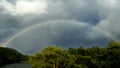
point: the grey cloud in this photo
(8, 26)
(60, 33)
(79, 10)
(11, 1)
(103, 14)
(91, 12)
(112, 22)
(84, 10)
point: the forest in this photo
(56, 57)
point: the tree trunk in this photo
(55, 64)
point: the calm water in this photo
(20, 65)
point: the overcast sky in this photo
(16, 15)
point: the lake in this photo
(19, 65)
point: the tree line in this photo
(55, 57)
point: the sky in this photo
(98, 21)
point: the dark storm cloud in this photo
(64, 34)
(18, 14)
(79, 10)
(8, 25)
(84, 10)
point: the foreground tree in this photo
(52, 57)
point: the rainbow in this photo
(31, 27)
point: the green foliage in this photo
(50, 56)
(9, 55)
(94, 57)
(71, 65)
(113, 44)
(46, 66)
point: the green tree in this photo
(72, 51)
(52, 57)
(52, 54)
(9, 55)
(113, 44)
